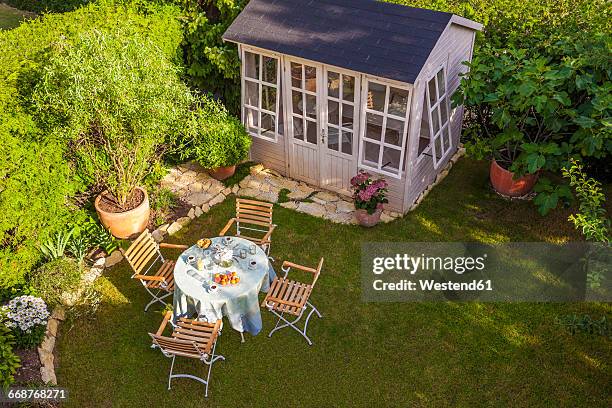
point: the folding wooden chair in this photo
(291, 297)
(192, 339)
(144, 253)
(254, 214)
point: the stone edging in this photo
(45, 350)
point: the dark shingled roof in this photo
(382, 39)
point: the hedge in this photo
(36, 180)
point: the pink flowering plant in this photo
(26, 316)
(369, 194)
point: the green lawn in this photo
(399, 354)
(11, 17)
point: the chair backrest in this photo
(317, 273)
(255, 213)
(143, 253)
(171, 346)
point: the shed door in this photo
(340, 121)
(303, 106)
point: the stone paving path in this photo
(192, 183)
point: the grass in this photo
(364, 354)
(11, 17)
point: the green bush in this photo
(212, 65)
(56, 277)
(53, 6)
(213, 137)
(9, 362)
(36, 179)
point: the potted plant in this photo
(116, 97)
(369, 196)
(519, 116)
(214, 138)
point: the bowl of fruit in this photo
(228, 278)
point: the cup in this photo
(252, 249)
(191, 259)
(252, 264)
(243, 253)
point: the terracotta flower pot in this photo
(128, 223)
(368, 220)
(221, 173)
(504, 183)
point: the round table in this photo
(239, 303)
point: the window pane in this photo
(376, 96)
(371, 151)
(347, 142)
(443, 112)
(441, 82)
(310, 75)
(268, 96)
(424, 129)
(252, 120)
(311, 132)
(298, 128)
(311, 106)
(333, 84)
(398, 102)
(373, 126)
(432, 92)
(296, 75)
(296, 98)
(447, 139)
(347, 115)
(333, 138)
(268, 125)
(391, 159)
(394, 132)
(251, 93)
(438, 147)
(251, 65)
(435, 120)
(348, 88)
(332, 112)
(269, 70)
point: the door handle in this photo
(323, 136)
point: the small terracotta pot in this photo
(504, 183)
(125, 224)
(368, 220)
(221, 173)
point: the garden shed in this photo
(333, 86)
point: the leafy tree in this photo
(115, 98)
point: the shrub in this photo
(116, 98)
(212, 64)
(39, 6)
(54, 278)
(9, 362)
(535, 109)
(36, 180)
(26, 316)
(213, 137)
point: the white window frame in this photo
(260, 83)
(442, 126)
(326, 98)
(363, 118)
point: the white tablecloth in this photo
(239, 303)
